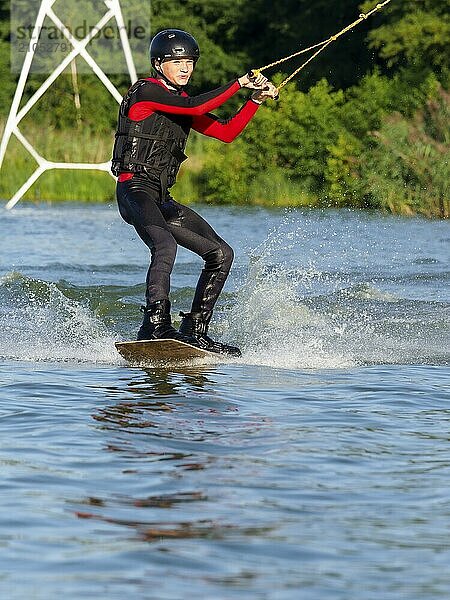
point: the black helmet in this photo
(173, 43)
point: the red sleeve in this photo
(225, 130)
(153, 97)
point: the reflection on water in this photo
(152, 391)
(158, 531)
(163, 382)
(141, 422)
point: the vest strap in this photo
(144, 136)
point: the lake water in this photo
(315, 467)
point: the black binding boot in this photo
(157, 324)
(196, 325)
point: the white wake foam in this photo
(272, 325)
(289, 315)
(38, 322)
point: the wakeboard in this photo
(160, 351)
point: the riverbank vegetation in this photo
(366, 125)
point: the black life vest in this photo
(154, 145)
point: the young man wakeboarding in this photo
(155, 118)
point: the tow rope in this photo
(321, 45)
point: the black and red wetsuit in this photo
(154, 123)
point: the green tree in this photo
(290, 137)
(407, 169)
(270, 30)
(416, 34)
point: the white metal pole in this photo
(63, 64)
(79, 49)
(11, 121)
(115, 5)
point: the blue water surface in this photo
(315, 467)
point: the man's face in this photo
(179, 70)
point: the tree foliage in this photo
(416, 33)
(363, 125)
(408, 170)
(292, 25)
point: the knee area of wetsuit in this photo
(219, 259)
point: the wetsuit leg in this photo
(192, 232)
(139, 206)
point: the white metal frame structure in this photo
(79, 49)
